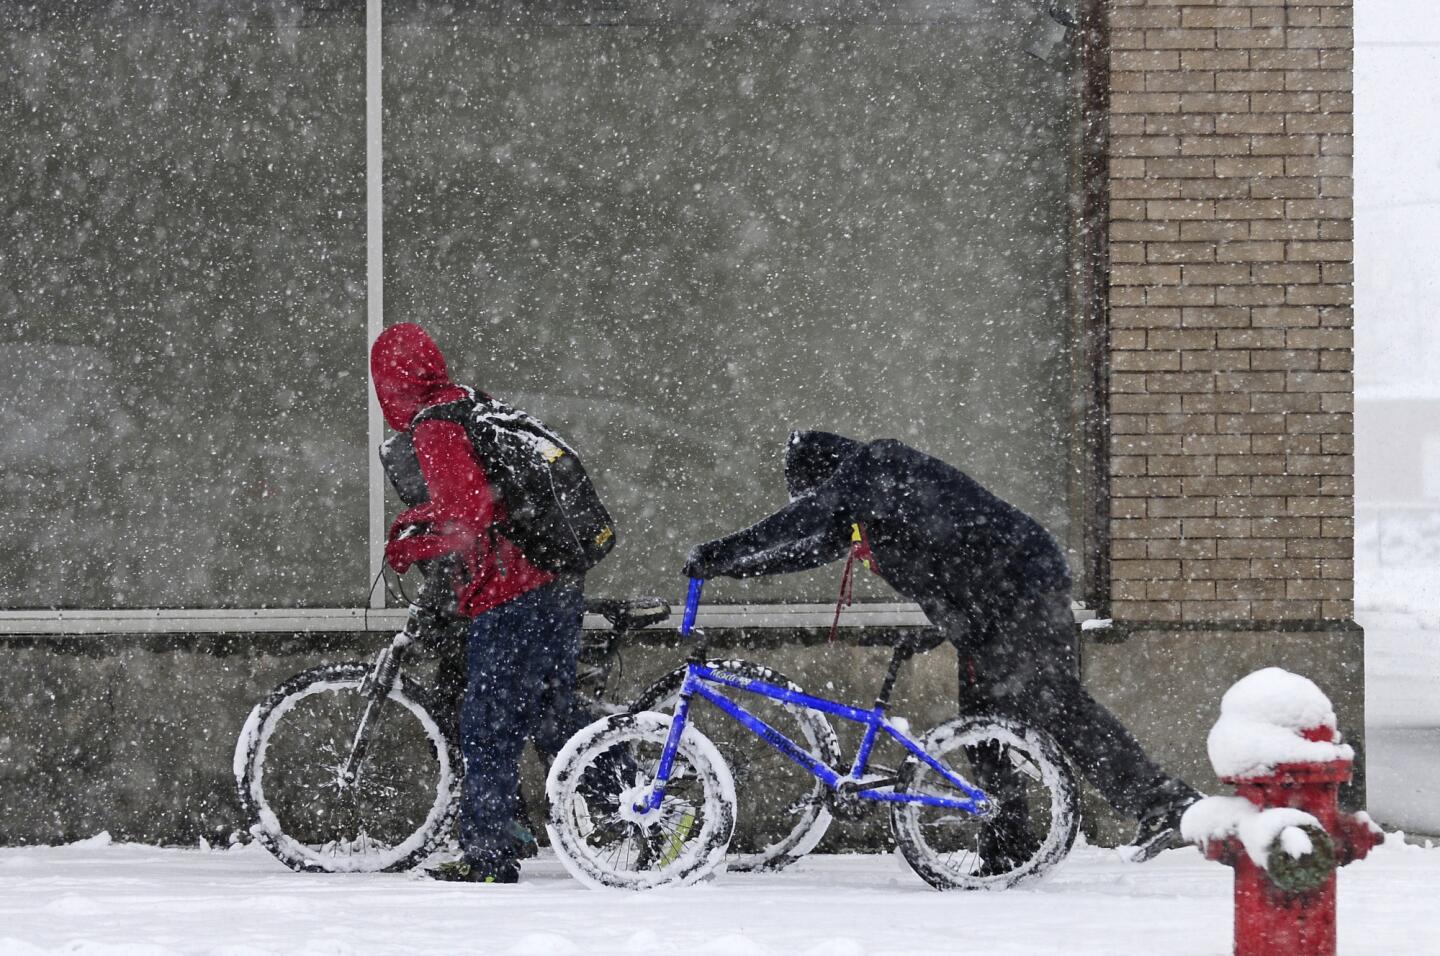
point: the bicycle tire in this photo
(784, 825)
(600, 775)
(951, 850)
(293, 740)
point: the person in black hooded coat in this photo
(983, 571)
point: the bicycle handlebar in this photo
(692, 605)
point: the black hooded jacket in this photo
(938, 537)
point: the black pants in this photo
(1022, 661)
(513, 678)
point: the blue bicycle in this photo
(643, 799)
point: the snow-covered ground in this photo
(135, 900)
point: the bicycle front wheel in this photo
(608, 769)
(1036, 801)
(289, 764)
(783, 808)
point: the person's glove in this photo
(401, 530)
(397, 555)
(699, 563)
(400, 550)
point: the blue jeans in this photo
(520, 685)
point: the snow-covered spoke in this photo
(1023, 764)
(361, 846)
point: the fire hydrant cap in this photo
(1274, 717)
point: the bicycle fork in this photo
(375, 688)
(656, 796)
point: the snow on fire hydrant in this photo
(1284, 834)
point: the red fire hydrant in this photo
(1284, 834)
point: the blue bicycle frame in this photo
(701, 680)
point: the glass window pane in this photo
(183, 304)
(678, 235)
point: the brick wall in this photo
(1230, 310)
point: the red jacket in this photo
(410, 375)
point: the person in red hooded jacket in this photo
(525, 622)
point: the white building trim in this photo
(87, 621)
(374, 278)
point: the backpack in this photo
(553, 513)
(402, 467)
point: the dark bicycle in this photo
(356, 767)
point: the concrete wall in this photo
(134, 734)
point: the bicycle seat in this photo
(632, 614)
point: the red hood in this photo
(409, 373)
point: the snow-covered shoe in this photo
(522, 839)
(1156, 832)
(466, 871)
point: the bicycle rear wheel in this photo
(1037, 806)
(288, 768)
(783, 810)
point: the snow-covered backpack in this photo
(402, 467)
(553, 513)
